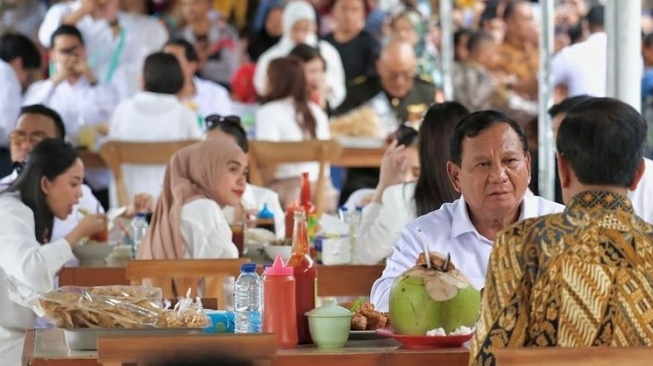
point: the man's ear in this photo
(639, 173)
(453, 171)
(564, 171)
(528, 165)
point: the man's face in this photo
(189, 68)
(194, 10)
(397, 73)
(66, 51)
(494, 172)
(30, 130)
(349, 15)
(521, 22)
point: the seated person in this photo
(254, 197)
(188, 222)
(489, 165)
(154, 114)
(50, 186)
(640, 197)
(582, 277)
(35, 124)
(394, 204)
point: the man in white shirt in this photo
(19, 57)
(116, 40)
(73, 89)
(642, 196)
(203, 96)
(490, 166)
(582, 67)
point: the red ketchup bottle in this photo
(305, 272)
(279, 314)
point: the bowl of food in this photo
(92, 253)
(278, 248)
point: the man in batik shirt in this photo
(583, 277)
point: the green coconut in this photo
(424, 298)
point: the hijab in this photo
(191, 174)
(293, 12)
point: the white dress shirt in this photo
(210, 98)
(78, 104)
(10, 101)
(583, 66)
(382, 223)
(277, 121)
(61, 228)
(102, 46)
(205, 231)
(449, 230)
(642, 196)
(254, 198)
(149, 117)
(33, 264)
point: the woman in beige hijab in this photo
(188, 222)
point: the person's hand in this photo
(143, 203)
(81, 67)
(87, 6)
(63, 70)
(393, 169)
(89, 225)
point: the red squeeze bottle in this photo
(305, 272)
(279, 315)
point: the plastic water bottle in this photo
(139, 228)
(248, 300)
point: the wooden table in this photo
(351, 157)
(47, 347)
(343, 280)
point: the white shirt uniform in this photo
(78, 104)
(582, 66)
(642, 197)
(10, 101)
(31, 263)
(205, 231)
(150, 117)
(114, 59)
(61, 228)
(277, 121)
(449, 230)
(210, 98)
(382, 222)
(254, 198)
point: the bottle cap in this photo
(278, 268)
(141, 214)
(265, 213)
(248, 267)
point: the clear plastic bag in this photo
(109, 307)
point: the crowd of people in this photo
(459, 175)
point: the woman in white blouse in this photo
(188, 222)
(49, 186)
(394, 205)
(290, 116)
(299, 26)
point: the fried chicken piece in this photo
(358, 322)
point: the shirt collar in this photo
(462, 224)
(596, 203)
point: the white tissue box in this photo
(333, 249)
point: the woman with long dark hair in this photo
(289, 115)
(49, 186)
(395, 205)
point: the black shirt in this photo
(358, 55)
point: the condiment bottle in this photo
(305, 272)
(279, 314)
(290, 218)
(305, 195)
(265, 219)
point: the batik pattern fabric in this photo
(580, 278)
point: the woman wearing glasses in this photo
(49, 187)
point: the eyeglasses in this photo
(19, 137)
(214, 121)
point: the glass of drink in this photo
(238, 236)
